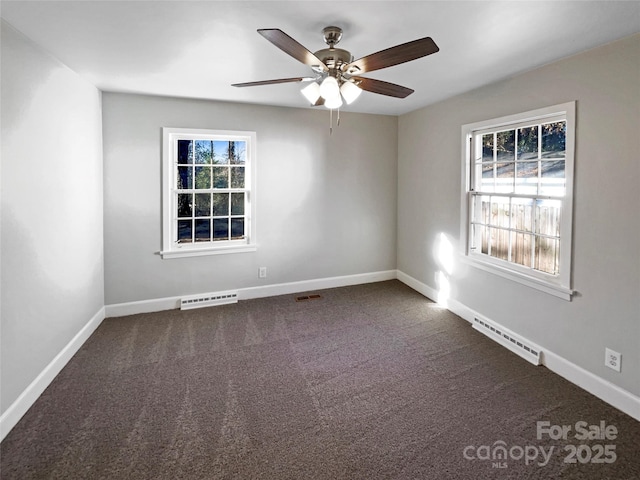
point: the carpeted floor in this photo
(367, 382)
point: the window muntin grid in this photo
(211, 193)
(517, 186)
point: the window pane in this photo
(237, 204)
(220, 177)
(504, 174)
(487, 147)
(203, 204)
(238, 153)
(499, 211)
(548, 217)
(203, 177)
(185, 178)
(486, 210)
(499, 238)
(553, 139)
(184, 231)
(204, 151)
(237, 228)
(184, 205)
(521, 248)
(547, 255)
(500, 243)
(487, 170)
(553, 178)
(237, 177)
(484, 239)
(220, 204)
(528, 143)
(552, 168)
(221, 152)
(505, 146)
(487, 182)
(220, 229)
(527, 178)
(185, 151)
(203, 230)
(522, 214)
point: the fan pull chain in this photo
(331, 122)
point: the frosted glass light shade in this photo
(329, 89)
(311, 92)
(350, 91)
(333, 103)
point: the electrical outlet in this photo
(262, 272)
(612, 359)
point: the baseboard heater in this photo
(208, 300)
(524, 348)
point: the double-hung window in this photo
(209, 192)
(517, 206)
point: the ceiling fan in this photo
(336, 74)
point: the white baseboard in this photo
(142, 306)
(169, 303)
(423, 288)
(316, 284)
(601, 388)
(27, 398)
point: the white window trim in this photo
(171, 249)
(560, 285)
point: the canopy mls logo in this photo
(500, 453)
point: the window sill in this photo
(198, 252)
(521, 278)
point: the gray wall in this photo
(605, 82)
(52, 279)
(326, 204)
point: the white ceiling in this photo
(199, 48)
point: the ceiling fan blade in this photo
(271, 82)
(288, 45)
(393, 56)
(383, 88)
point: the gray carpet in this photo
(368, 382)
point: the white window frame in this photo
(170, 247)
(558, 285)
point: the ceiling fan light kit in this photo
(335, 70)
(350, 92)
(329, 88)
(333, 103)
(311, 92)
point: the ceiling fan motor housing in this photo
(334, 58)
